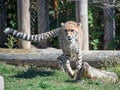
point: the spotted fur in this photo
(70, 37)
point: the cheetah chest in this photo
(73, 50)
(73, 47)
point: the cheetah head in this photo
(70, 30)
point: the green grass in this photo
(34, 78)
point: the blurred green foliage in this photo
(96, 31)
(115, 43)
(11, 10)
(11, 42)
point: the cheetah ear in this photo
(79, 24)
(62, 24)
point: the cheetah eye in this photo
(72, 30)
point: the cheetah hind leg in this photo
(79, 67)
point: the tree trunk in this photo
(24, 21)
(77, 4)
(3, 19)
(82, 17)
(43, 20)
(109, 22)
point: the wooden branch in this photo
(48, 57)
(93, 73)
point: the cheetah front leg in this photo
(64, 63)
(60, 62)
(79, 66)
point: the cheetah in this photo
(70, 37)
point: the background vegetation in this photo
(66, 11)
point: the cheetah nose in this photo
(69, 38)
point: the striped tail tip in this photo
(7, 30)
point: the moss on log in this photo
(48, 57)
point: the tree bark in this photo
(82, 17)
(109, 22)
(24, 21)
(77, 4)
(43, 20)
(48, 57)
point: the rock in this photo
(1, 83)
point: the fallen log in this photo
(48, 57)
(102, 75)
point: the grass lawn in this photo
(34, 78)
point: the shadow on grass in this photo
(33, 73)
(72, 81)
